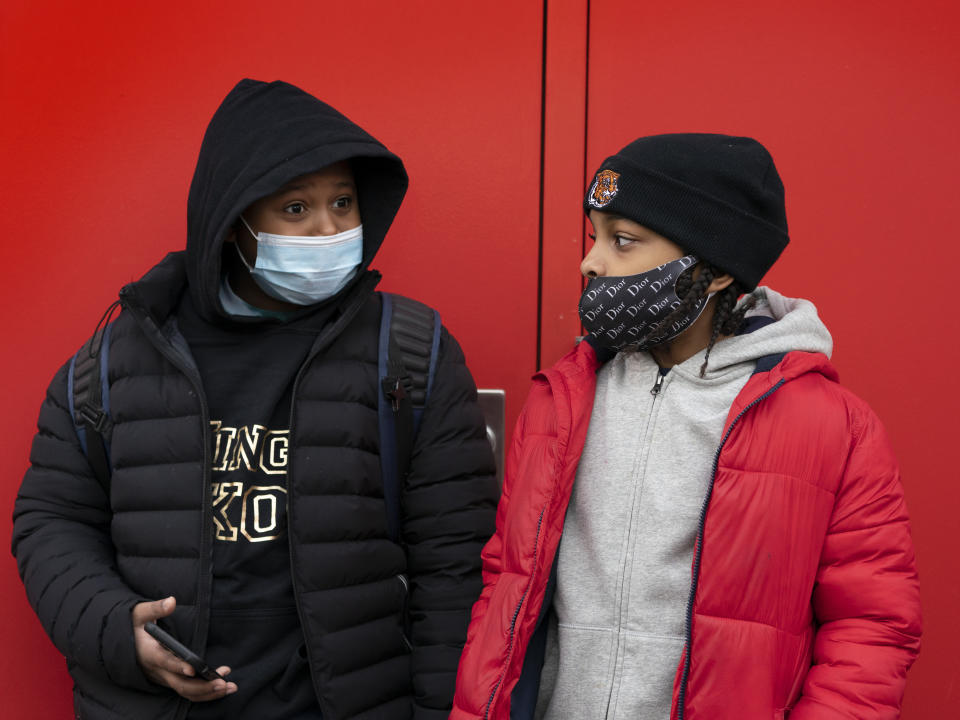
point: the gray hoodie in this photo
(623, 567)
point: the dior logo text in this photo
(637, 287)
(592, 315)
(591, 295)
(613, 312)
(612, 291)
(633, 310)
(658, 285)
(658, 306)
(615, 332)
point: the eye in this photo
(343, 202)
(621, 241)
(295, 208)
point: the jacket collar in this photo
(772, 372)
(158, 292)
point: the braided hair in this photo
(727, 317)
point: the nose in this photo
(592, 265)
(324, 223)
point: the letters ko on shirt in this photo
(243, 509)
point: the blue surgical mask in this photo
(305, 269)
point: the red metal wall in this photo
(104, 104)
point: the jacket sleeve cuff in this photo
(118, 649)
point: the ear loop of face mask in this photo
(239, 251)
(256, 238)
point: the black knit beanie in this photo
(716, 196)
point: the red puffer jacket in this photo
(804, 599)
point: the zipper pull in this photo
(655, 390)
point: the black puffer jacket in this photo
(86, 560)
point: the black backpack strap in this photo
(88, 395)
(408, 350)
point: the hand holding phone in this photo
(167, 662)
(181, 651)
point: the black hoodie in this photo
(248, 368)
(262, 136)
(373, 649)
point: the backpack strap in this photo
(88, 396)
(407, 358)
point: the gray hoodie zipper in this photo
(658, 383)
(629, 543)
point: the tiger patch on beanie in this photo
(604, 188)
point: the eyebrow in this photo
(303, 186)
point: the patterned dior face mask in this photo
(619, 311)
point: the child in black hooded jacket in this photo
(245, 509)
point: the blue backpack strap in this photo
(88, 396)
(409, 345)
(387, 419)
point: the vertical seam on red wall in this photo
(586, 136)
(561, 241)
(543, 149)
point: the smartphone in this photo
(182, 651)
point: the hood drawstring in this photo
(97, 336)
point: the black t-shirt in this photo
(248, 371)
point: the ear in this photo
(721, 282)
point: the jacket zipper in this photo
(684, 675)
(516, 614)
(290, 504)
(204, 589)
(165, 347)
(321, 344)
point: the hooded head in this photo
(718, 197)
(262, 136)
